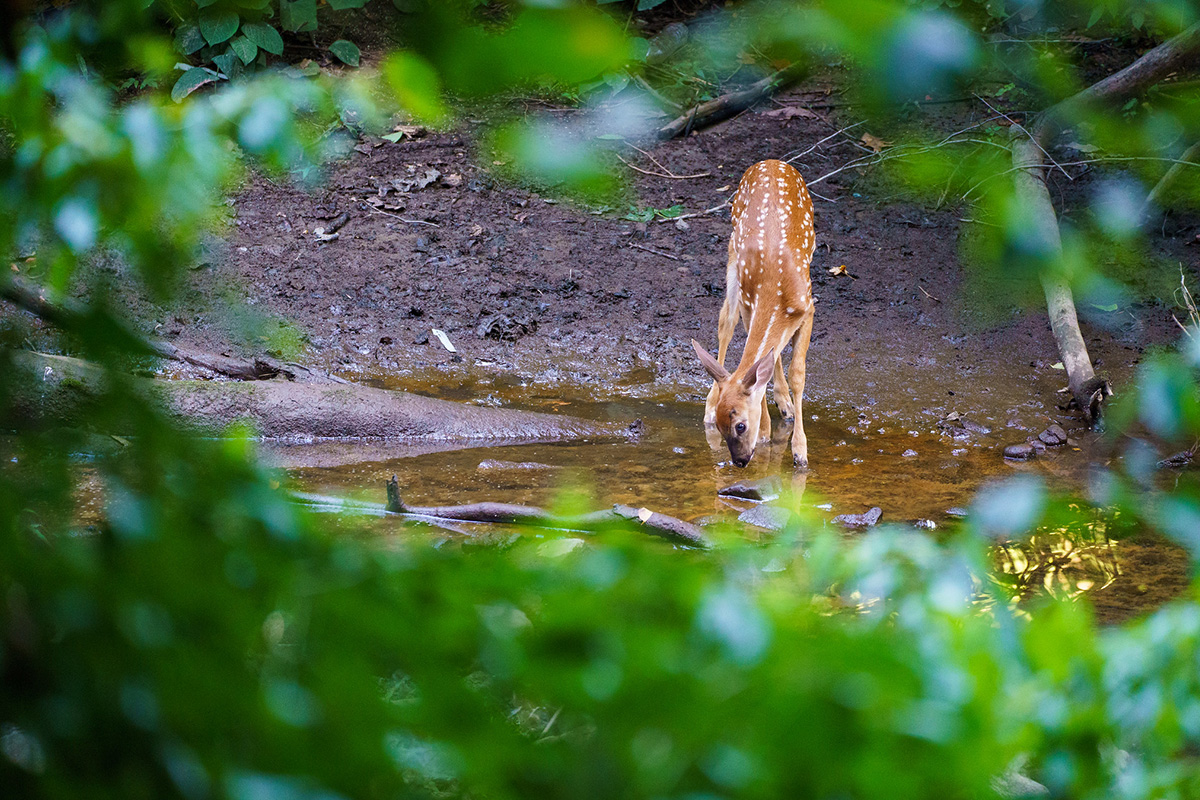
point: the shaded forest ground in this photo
(533, 289)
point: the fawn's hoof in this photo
(800, 462)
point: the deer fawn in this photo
(767, 286)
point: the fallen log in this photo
(725, 106)
(66, 314)
(1029, 156)
(59, 389)
(653, 523)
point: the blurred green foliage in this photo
(171, 626)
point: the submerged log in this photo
(60, 388)
(651, 522)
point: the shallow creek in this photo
(912, 472)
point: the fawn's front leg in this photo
(799, 352)
(726, 324)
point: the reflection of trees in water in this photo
(1063, 562)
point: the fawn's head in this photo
(739, 402)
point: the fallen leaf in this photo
(791, 112)
(15, 268)
(876, 144)
(444, 339)
(452, 180)
(644, 514)
(1059, 365)
(1109, 307)
(724, 188)
(839, 270)
(476, 230)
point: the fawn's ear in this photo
(756, 379)
(715, 370)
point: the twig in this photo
(1097, 160)
(790, 159)
(402, 219)
(662, 174)
(550, 724)
(927, 294)
(1032, 138)
(703, 213)
(637, 246)
(650, 90)
(1165, 182)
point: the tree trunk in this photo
(1028, 156)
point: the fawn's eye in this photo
(740, 428)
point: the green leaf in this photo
(227, 63)
(1109, 307)
(1097, 12)
(341, 5)
(246, 50)
(265, 36)
(188, 38)
(346, 51)
(298, 15)
(393, 137)
(218, 27)
(190, 81)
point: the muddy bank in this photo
(288, 410)
(536, 291)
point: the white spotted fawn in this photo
(767, 286)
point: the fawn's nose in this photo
(741, 462)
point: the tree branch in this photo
(1028, 157)
(68, 314)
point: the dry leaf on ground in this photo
(875, 143)
(791, 112)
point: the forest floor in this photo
(533, 290)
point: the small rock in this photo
(1019, 452)
(924, 524)
(773, 518)
(422, 338)
(866, 519)
(975, 427)
(1053, 436)
(1180, 459)
(956, 511)
(758, 491)
(909, 453)
(1038, 445)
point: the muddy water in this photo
(928, 472)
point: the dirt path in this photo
(540, 292)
